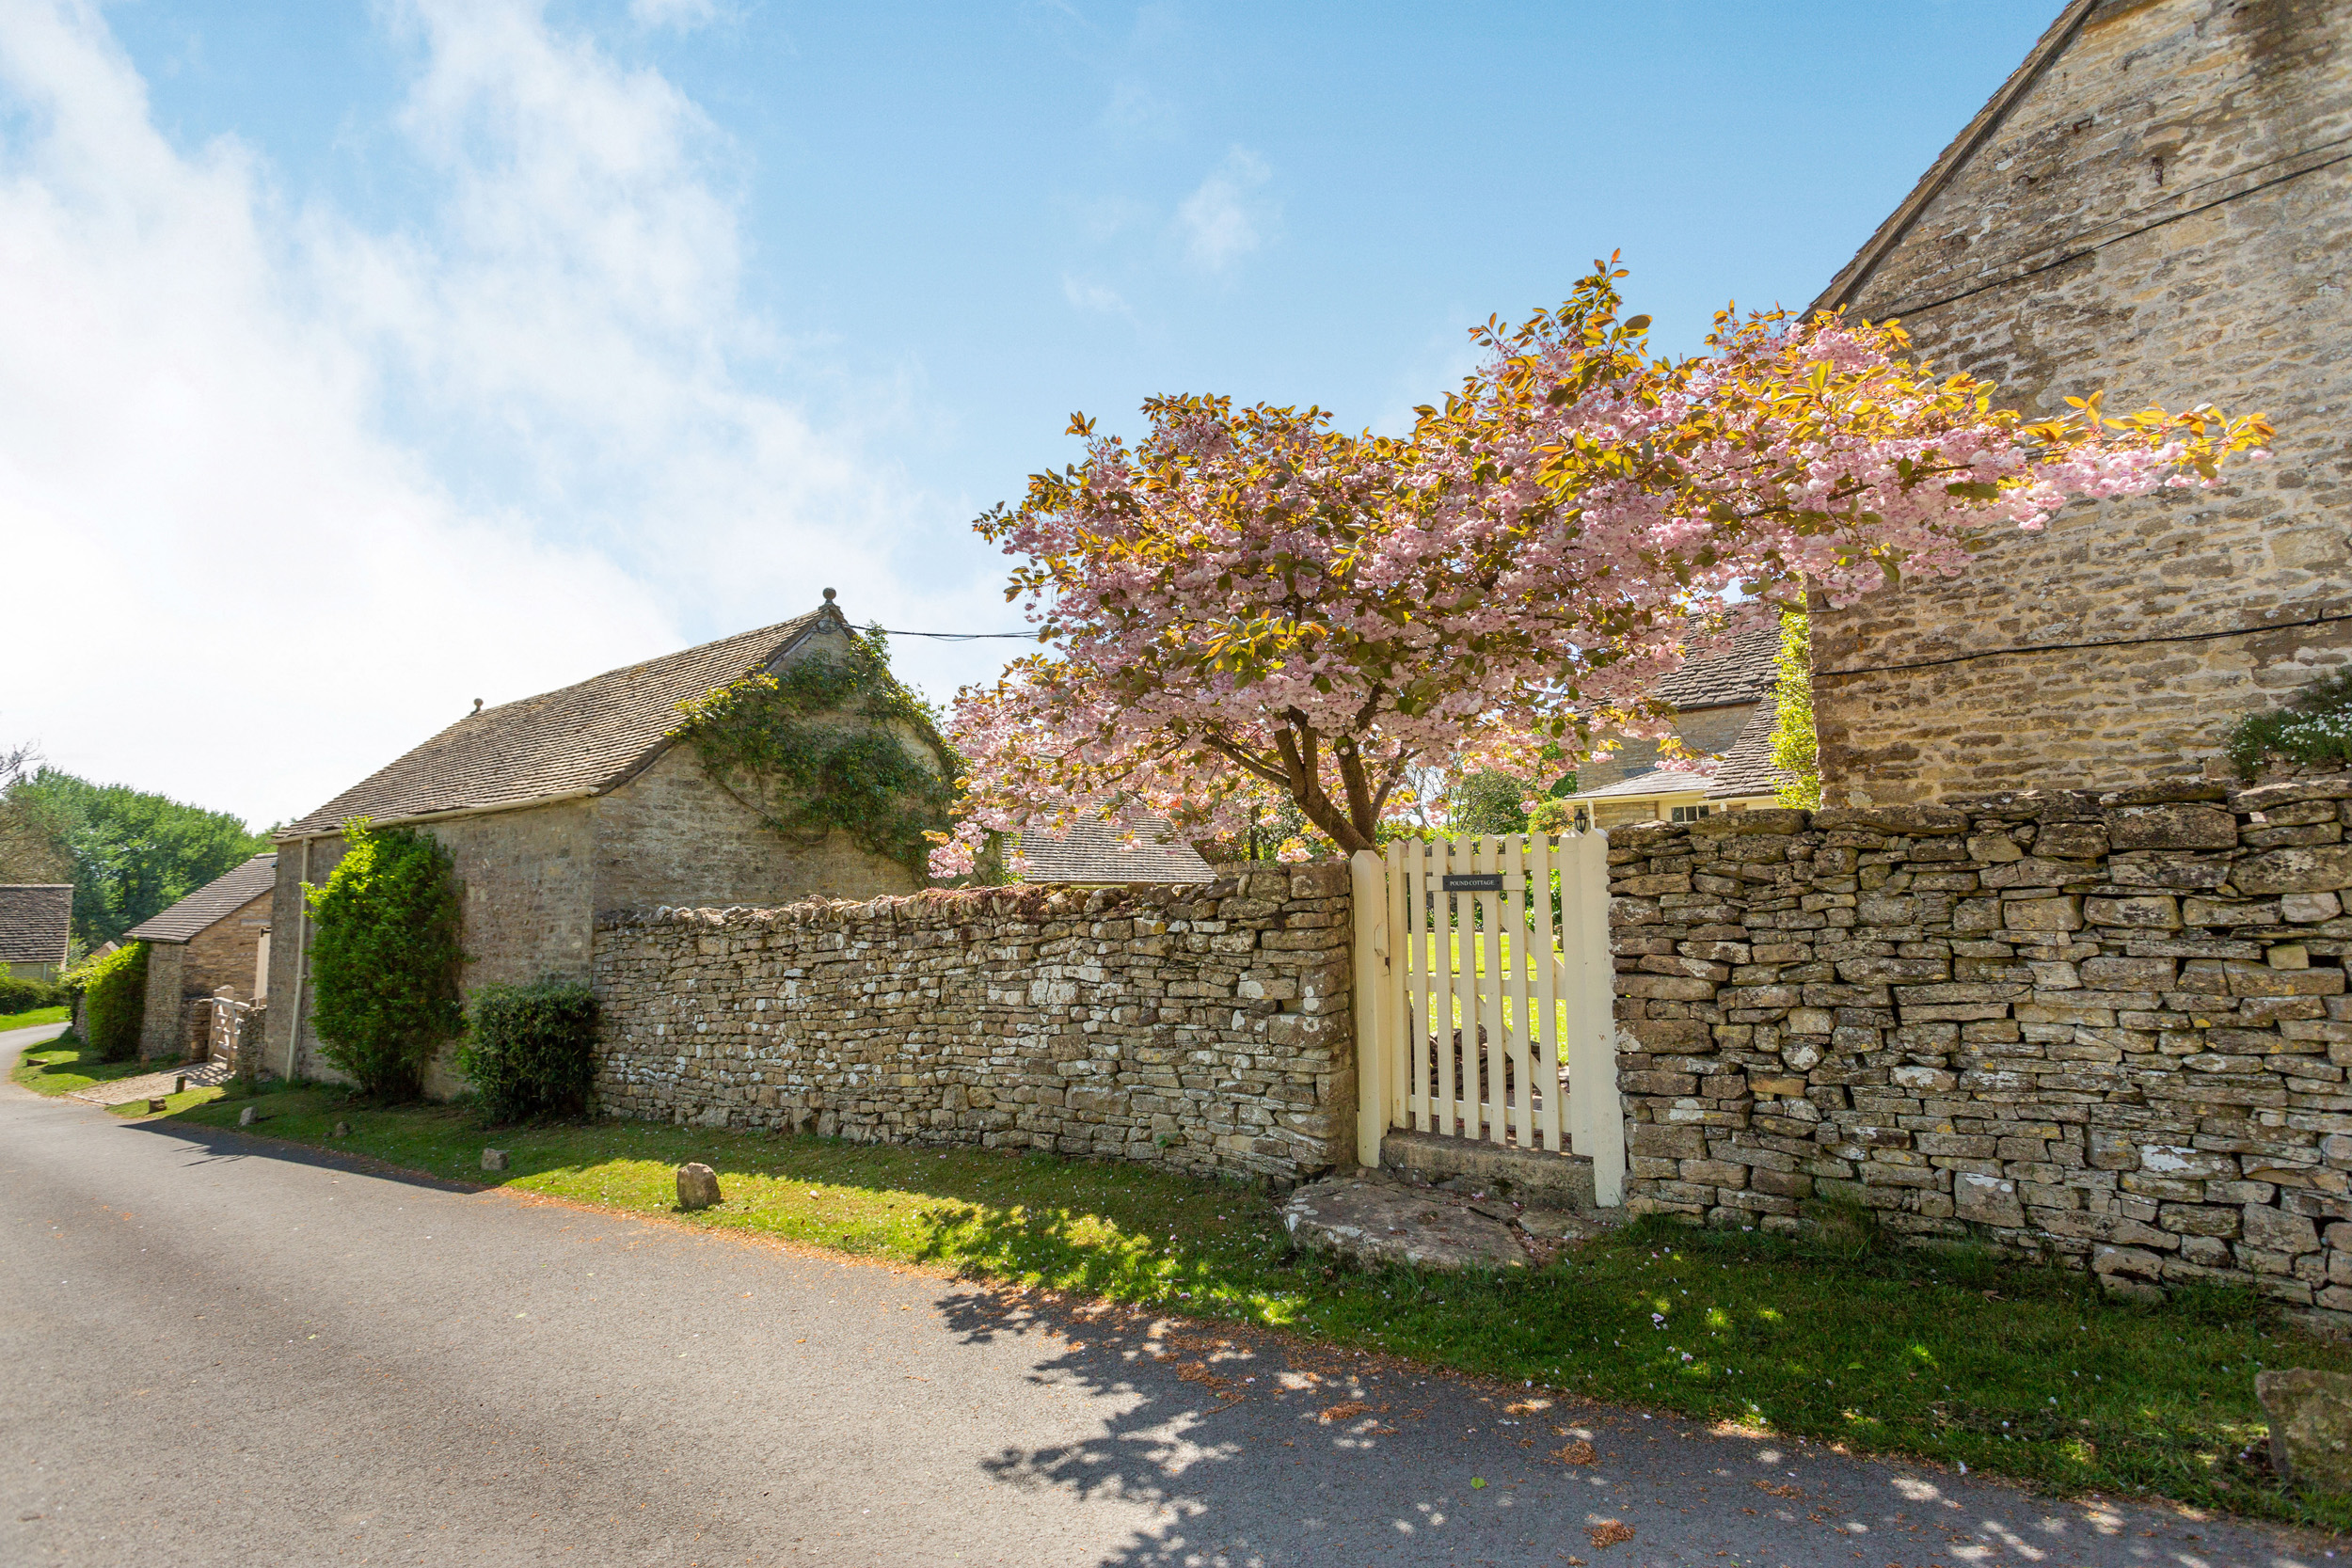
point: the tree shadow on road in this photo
(1245, 1446)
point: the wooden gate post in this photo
(1595, 1102)
(1369, 881)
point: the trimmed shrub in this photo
(23, 997)
(114, 1000)
(530, 1051)
(384, 959)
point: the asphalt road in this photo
(218, 1350)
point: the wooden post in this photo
(1369, 883)
(1595, 1102)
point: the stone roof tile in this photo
(1093, 855)
(214, 901)
(589, 736)
(36, 921)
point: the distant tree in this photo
(128, 853)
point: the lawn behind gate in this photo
(1949, 1356)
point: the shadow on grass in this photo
(221, 1144)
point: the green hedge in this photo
(23, 997)
(531, 1050)
(114, 1000)
(385, 959)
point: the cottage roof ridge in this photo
(575, 740)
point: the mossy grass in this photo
(187, 1100)
(65, 1064)
(1948, 1354)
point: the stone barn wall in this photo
(2159, 214)
(2107, 1029)
(1205, 1028)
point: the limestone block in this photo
(2323, 868)
(2061, 913)
(1986, 1200)
(2309, 1414)
(2181, 826)
(2158, 910)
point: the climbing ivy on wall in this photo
(825, 745)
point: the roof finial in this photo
(829, 596)
(477, 705)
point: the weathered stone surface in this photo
(2141, 99)
(1108, 1021)
(492, 1158)
(2320, 868)
(2310, 1425)
(2096, 1082)
(1386, 1222)
(697, 1184)
(247, 1116)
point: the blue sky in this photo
(447, 349)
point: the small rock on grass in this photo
(494, 1159)
(2310, 1425)
(342, 1129)
(697, 1186)
(247, 1116)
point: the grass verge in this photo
(65, 1064)
(1949, 1356)
(38, 1016)
(187, 1100)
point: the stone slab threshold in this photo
(152, 1085)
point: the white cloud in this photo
(1094, 298)
(685, 15)
(295, 491)
(1225, 220)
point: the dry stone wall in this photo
(1205, 1028)
(2109, 1028)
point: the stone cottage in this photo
(217, 936)
(1723, 708)
(1139, 848)
(560, 805)
(2157, 202)
(35, 929)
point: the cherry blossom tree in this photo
(1247, 603)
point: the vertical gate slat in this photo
(1493, 1058)
(1547, 956)
(1400, 997)
(1444, 951)
(1415, 1021)
(1518, 1041)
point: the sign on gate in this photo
(1484, 1000)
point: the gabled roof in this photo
(1748, 769)
(1972, 136)
(1743, 673)
(1658, 781)
(36, 921)
(214, 901)
(1093, 855)
(579, 738)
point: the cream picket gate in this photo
(1480, 1014)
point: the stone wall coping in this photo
(953, 906)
